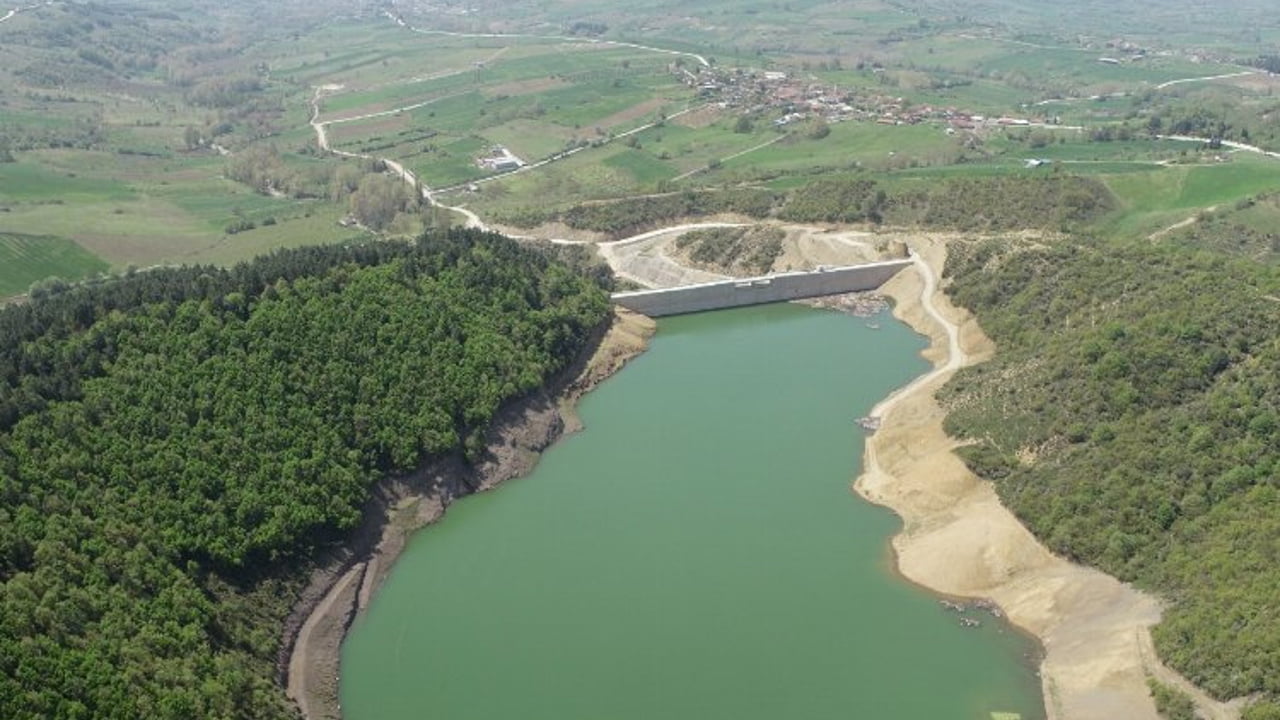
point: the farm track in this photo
(1182, 81)
(1225, 143)
(566, 154)
(1187, 222)
(561, 38)
(320, 126)
(473, 221)
(739, 154)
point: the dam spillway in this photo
(780, 287)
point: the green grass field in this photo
(1262, 215)
(645, 168)
(32, 182)
(25, 259)
(454, 162)
(145, 211)
(142, 198)
(1151, 201)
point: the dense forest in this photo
(174, 444)
(1132, 421)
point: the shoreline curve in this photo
(958, 539)
(341, 587)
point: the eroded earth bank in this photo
(958, 539)
(340, 590)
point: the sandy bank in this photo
(342, 587)
(959, 540)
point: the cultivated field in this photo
(27, 259)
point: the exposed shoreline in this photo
(340, 588)
(959, 540)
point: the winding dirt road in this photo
(1188, 222)
(956, 357)
(739, 154)
(1225, 143)
(322, 140)
(1182, 81)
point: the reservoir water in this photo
(696, 553)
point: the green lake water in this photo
(696, 553)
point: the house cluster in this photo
(753, 90)
(499, 159)
(796, 100)
(961, 121)
(1120, 51)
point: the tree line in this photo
(373, 197)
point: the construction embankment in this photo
(759, 290)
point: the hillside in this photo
(973, 204)
(171, 441)
(175, 446)
(1131, 419)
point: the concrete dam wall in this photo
(758, 290)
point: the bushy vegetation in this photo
(374, 197)
(845, 200)
(1216, 113)
(1248, 229)
(263, 168)
(735, 250)
(1053, 201)
(628, 215)
(1132, 421)
(380, 198)
(175, 443)
(622, 217)
(75, 52)
(1171, 703)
